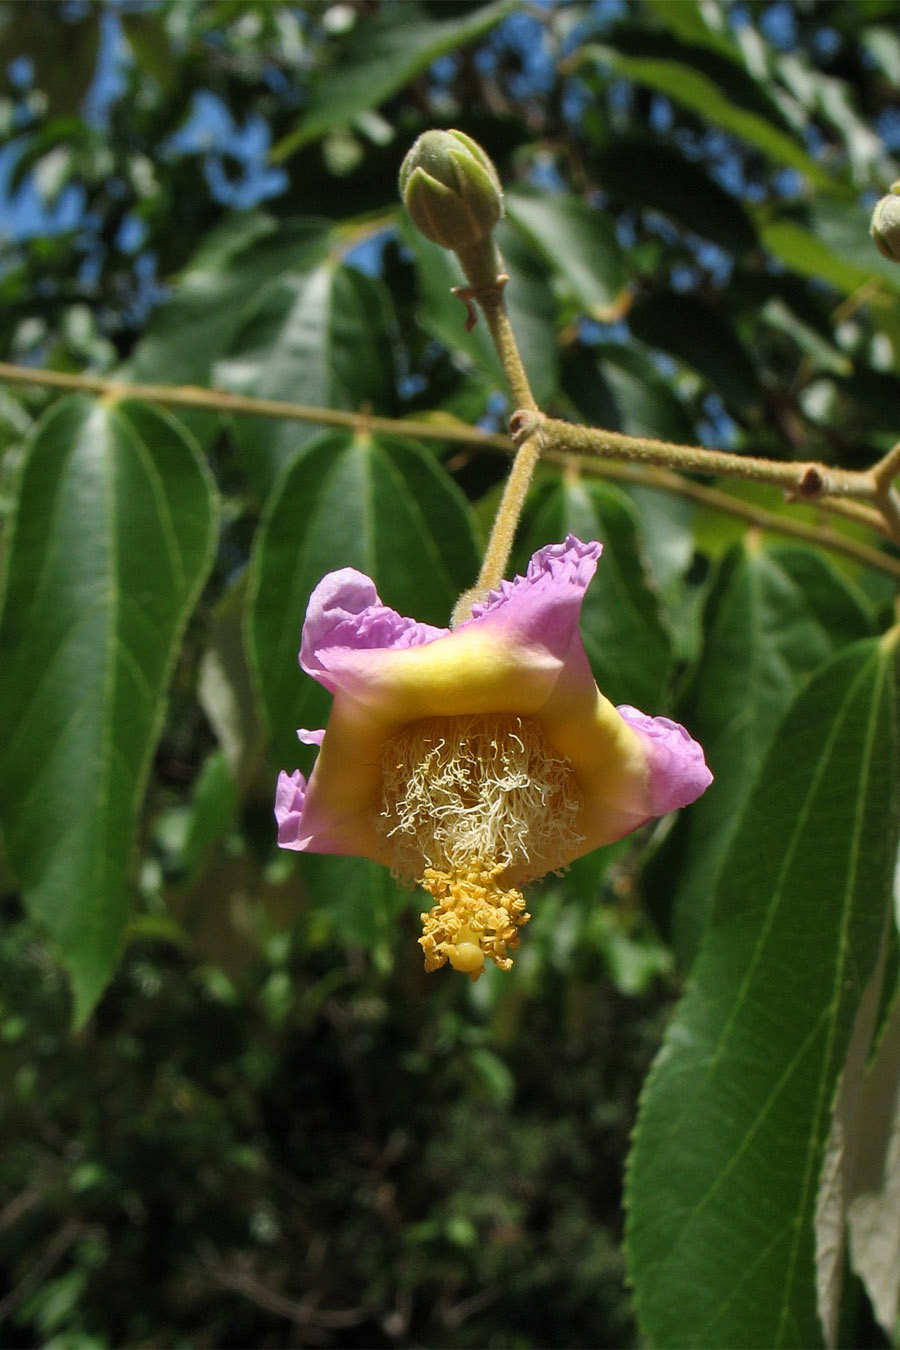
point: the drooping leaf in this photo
(578, 242)
(225, 685)
(113, 539)
(650, 173)
(735, 1115)
(832, 102)
(619, 388)
(528, 299)
(711, 96)
(380, 505)
(188, 334)
(621, 623)
(319, 337)
(777, 314)
(698, 334)
(207, 817)
(693, 22)
(874, 1195)
(441, 313)
(377, 58)
(532, 307)
(831, 243)
(361, 902)
(192, 330)
(773, 617)
(883, 46)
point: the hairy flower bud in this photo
(451, 189)
(885, 226)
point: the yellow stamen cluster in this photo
(472, 805)
(472, 918)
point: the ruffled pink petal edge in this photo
(289, 795)
(555, 568)
(344, 611)
(678, 770)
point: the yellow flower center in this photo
(472, 805)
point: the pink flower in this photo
(475, 760)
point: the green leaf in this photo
(380, 56)
(187, 336)
(532, 312)
(685, 83)
(209, 814)
(874, 1189)
(320, 337)
(724, 1171)
(619, 388)
(651, 173)
(362, 903)
(831, 244)
(698, 334)
(622, 626)
(380, 505)
(777, 314)
(578, 242)
(855, 1162)
(112, 542)
(441, 313)
(831, 102)
(692, 21)
(225, 688)
(773, 617)
(883, 46)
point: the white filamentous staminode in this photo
(481, 786)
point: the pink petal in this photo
(544, 606)
(345, 612)
(289, 796)
(521, 652)
(310, 737)
(678, 771)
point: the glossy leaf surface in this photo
(113, 540)
(577, 240)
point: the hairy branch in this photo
(625, 458)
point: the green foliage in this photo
(772, 619)
(270, 1127)
(350, 501)
(623, 624)
(724, 1175)
(113, 540)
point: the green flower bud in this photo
(885, 226)
(451, 190)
